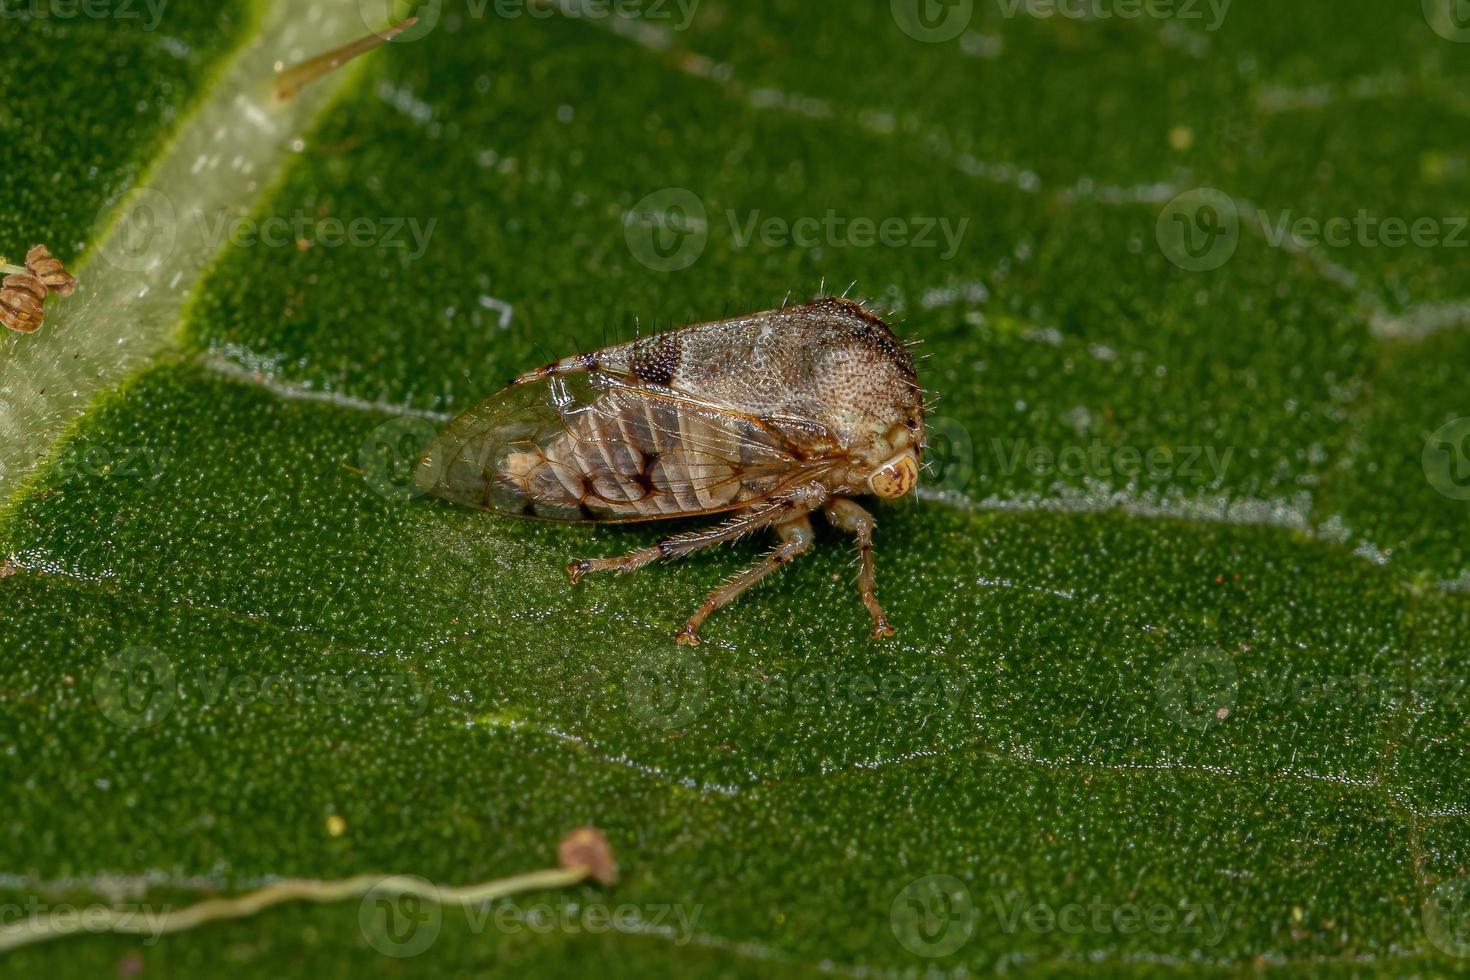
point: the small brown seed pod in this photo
(48, 268)
(21, 296)
(587, 848)
(23, 292)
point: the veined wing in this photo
(592, 447)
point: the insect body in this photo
(763, 418)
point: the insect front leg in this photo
(796, 538)
(848, 515)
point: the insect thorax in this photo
(829, 362)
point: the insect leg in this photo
(796, 537)
(575, 364)
(680, 545)
(848, 515)
(630, 562)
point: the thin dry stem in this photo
(584, 854)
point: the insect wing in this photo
(594, 447)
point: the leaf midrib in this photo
(121, 320)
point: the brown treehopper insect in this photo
(765, 418)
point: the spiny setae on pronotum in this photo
(765, 418)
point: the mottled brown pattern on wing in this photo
(829, 362)
(631, 454)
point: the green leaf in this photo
(1180, 679)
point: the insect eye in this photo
(895, 477)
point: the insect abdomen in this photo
(630, 457)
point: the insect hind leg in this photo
(630, 562)
(848, 515)
(680, 545)
(796, 538)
